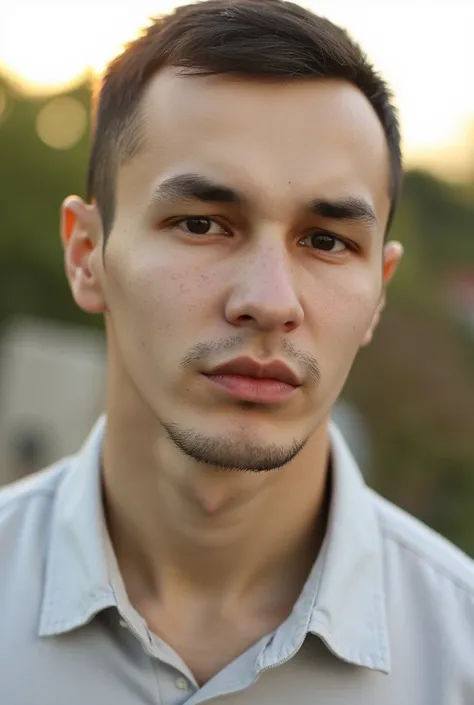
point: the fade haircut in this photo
(255, 38)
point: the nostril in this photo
(244, 317)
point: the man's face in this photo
(249, 226)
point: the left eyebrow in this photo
(349, 209)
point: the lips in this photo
(251, 381)
(247, 367)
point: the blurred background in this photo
(408, 409)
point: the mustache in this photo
(206, 351)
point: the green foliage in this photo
(414, 384)
(34, 180)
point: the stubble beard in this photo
(224, 453)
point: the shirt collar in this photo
(349, 611)
(342, 601)
(77, 581)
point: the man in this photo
(214, 541)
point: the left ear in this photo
(393, 253)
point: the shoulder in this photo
(26, 512)
(23, 504)
(428, 588)
(421, 553)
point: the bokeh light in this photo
(61, 122)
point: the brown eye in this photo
(324, 242)
(200, 226)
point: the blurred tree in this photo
(415, 383)
(34, 180)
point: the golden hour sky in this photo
(425, 48)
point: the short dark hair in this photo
(255, 38)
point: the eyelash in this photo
(348, 245)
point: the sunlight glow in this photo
(3, 103)
(423, 48)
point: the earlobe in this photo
(81, 237)
(375, 321)
(393, 252)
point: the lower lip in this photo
(258, 390)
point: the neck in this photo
(179, 525)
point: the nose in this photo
(265, 296)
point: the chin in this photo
(235, 445)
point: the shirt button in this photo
(182, 683)
(123, 623)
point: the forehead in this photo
(273, 139)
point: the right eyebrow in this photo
(194, 187)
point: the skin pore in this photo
(250, 224)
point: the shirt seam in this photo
(390, 534)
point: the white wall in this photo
(52, 381)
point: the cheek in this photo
(344, 307)
(157, 291)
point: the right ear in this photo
(81, 237)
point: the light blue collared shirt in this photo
(385, 617)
